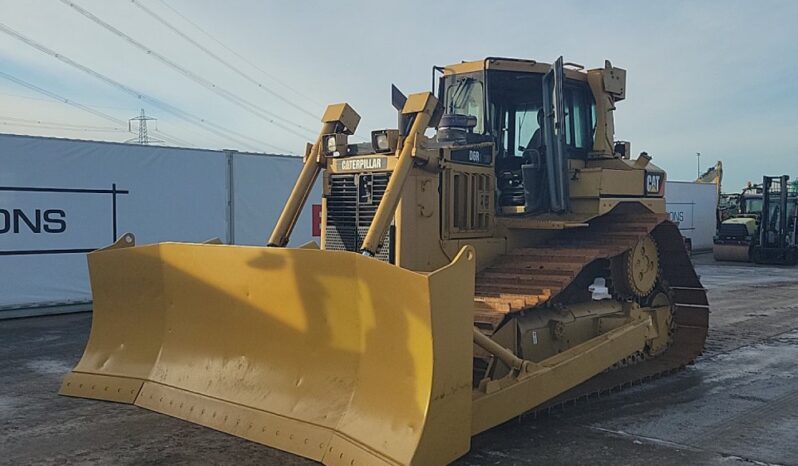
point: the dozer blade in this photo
(329, 355)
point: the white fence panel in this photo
(62, 198)
(693, 206)
(261, 187)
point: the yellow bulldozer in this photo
(517, 258)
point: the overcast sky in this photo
(716, 77)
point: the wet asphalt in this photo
(737, 405)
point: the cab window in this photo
(515, 100)
(526, 118)
(579, 118)
(466, 96)
(753, 205)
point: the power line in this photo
(68, 61)
(40, 99)
(160, 133)
(21, 122)
(56, 96)
(241, 57)
(79, 106)
(207, 125)
(221, 60)
(256, 110)
(58, 127)
(62, 124)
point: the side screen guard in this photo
(554, 138)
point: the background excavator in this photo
(714, 175)
(517, 258)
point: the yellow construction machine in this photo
(763, 229)
(518, 258)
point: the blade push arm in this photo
(420, 107)
(337, 117)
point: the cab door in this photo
(554, 138)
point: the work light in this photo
(384, 140)
(334, 144)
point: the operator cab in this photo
(752, 204)
(504, 100)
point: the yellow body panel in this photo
(542, 382)
(749, 222)
(329, 355)
(510, 64)
(597, 182)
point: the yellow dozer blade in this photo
(329, 355)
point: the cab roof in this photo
(572, 70)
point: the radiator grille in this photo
(351, 206)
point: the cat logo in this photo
(362, 164)
(654, 183)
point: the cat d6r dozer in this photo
(517, 259)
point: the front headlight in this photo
(334, 144)
(381, 141)
(330, 144)
(384, 140)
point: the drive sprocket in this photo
(636, 271)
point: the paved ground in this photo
(737, 405)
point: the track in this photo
(531, 277)
(535, 277)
